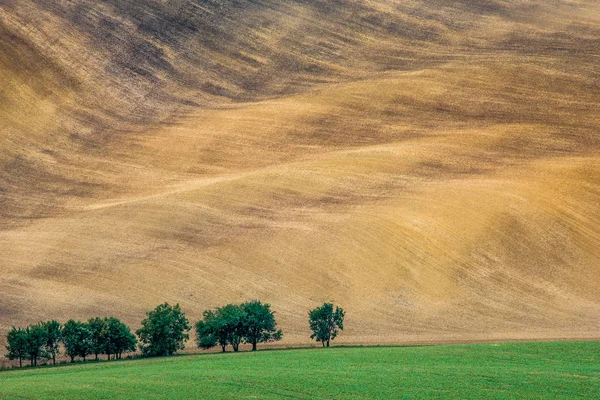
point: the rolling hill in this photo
(432, 166)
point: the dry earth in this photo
(433, 166)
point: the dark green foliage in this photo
(35, 340)
(119, 338)
(205, 339)
(17, 344)
(251, 322)
(163, 331)
(98, 334)
(221, 327)
(41, 340)
(325, 322)
(232, 324)
(206, 332)
(259, 324)
(77, 339)
(53, 335)
(110, 336)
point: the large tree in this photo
(77, 339)
(325, 322)
(163, 331)
(17, 344)
(259, 323)
(53, 331)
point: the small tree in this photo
(163, 331)
(259, 324)
(77, 340)
(119, 338)
(325, 322)
(223, 326)
(35, 340)
(17, 344)
(207, 334)
(98, 334)
(231, 320)
(53, 331)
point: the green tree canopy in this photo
(98, 335)
(77, 339)
(35, 342)
(222, 326)
(259, 323)
(232, 324)
(119, 338)
(206, 332)
(325, 322)
(53, 334)
(163, 331)
(17, 344)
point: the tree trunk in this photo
(323, 343)
(327, 342)
(96, 356)
(223, 348)
(236, 347)
(253, 346)
(72, 358)
(53, 358)
(20, 362)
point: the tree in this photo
(207, 332)
(53, 333)
(259, 324)
(325, 322)
(231, 324)
(223, 326)
(17, 344)
(98, 334)
(119, 338)
(77, 339)
(163, 331)
(35, 339)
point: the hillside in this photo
(431, 166)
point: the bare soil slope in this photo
(432, 166)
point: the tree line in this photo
(163, 332)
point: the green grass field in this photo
(491, 371)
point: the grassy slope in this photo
(440, 182)
(518, 370)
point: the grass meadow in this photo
(565, 370)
